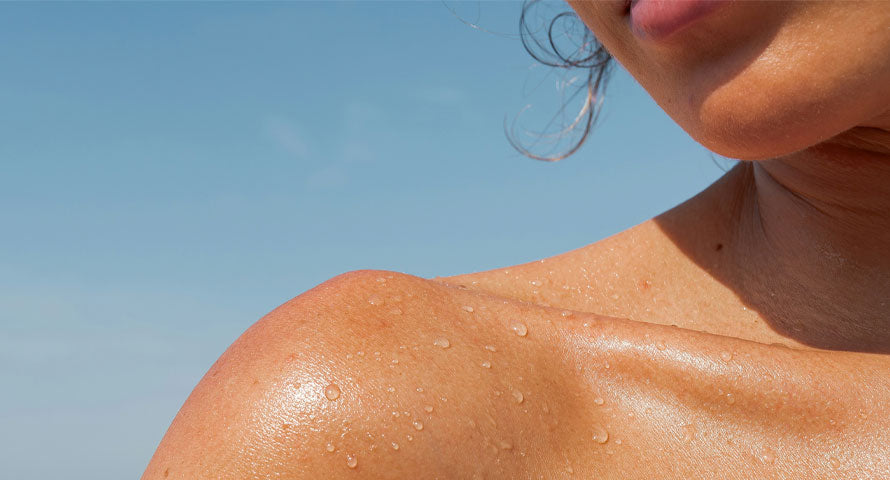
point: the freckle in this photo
(332, 392)
(517, 396)
(166, 472)
(718, 247)
(351, 461)
(520, 329)
(428, 409)
(329, 447)
(491, 348)
(418, 425)
(442, 342)
(286, 426)
(256, 382)
(486, 364)
(375, 299)
(467, 308)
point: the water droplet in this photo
(768, 456)
(395, 311)
(835, 463)
(332, 392)
(381, 280)
(375, 299)
(376, 354)
(520, 329)
(536, 283)
(395, 446)
(329, 447)
(689, 432)
(600, 435)
(660, 346)
(730, 398)
(467, 308)
(360, 353)
(566, 313)
(419, 389)
(618, 441)
(491, 348)
(599, 400)
(351, 461)
(418, 425)
(442, 342)
(395, 361)
(726, 356)
(517, 396)
(396, 414)
(569, 469)
(348, 356)
(486, 364)
(409, 437)
(390, 389)
(505, 445)
(428, 409)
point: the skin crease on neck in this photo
(743, 334)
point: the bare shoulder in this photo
(375, 374)
(381, 375)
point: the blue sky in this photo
(170, 172)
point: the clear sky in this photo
(170, 172)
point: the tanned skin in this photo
(741, 335)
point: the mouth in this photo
(659, 19)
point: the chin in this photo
(765, 128)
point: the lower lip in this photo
(658, 19)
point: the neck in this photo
(807, 240)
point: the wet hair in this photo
(583, 52)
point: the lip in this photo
(659, 19)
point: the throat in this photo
(802, 241)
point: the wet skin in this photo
(740, 335)
(601, 397)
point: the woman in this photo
(742, 334)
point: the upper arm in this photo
(399, 404)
